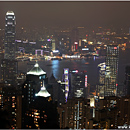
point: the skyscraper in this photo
(38, 110)
(74, 39)
(9, 64)
(111, 70)
(66, 79)
(11, 96)
(101, 85)
(78, 84)
(75, 114)
(9, 43)
(36, 78)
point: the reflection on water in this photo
(56, 67)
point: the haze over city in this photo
(64, 65)
(78, 13)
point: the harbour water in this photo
(89, 65)
(56, 67)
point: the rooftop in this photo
(43, 92)
(10, 13)
(36, 70)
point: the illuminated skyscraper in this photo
(66, 79)
(78, 84)
(35, 80)
(74, 39)
(9, 35)
(75, 113)
(9, 64)
(37, 105)
(101, 85)
(111, 70)
(9, 72)
(53, 44)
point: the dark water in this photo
(56, 67)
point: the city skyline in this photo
(84, 13)
(64, 89)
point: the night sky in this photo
(38, 14)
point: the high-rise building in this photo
(100, 87)
(111, 70)
(38, 110)
(75, 113)
(127, 81)
(74, 39)
(9, 72)
(66, 80)
(10, 100)
(36, 78)
(56, 89)
(9, 43)
(78, 84)
(9, 64)
(53, 45)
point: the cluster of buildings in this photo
(34, 101)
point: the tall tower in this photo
(101, 85)
(9, 43)
(36, 78)
(74, 39)
(9, 65)
(78, 84)
(111, 70)
(66, 79)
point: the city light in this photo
(67, 73)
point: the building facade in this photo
(111, 70)
(78, 85)
(9, 64)
(9, 44)
(127, 81)
(74, 114)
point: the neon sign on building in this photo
(66, 79)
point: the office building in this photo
(53, 45)
(42, 114)
(56, 89)
(9, 69)
(111, 70)
(66, 80)
(35, 79)
(9, 64)
(74, 39)
(38, 109)
(10, 100)
(75, 113)
(101, 86)
(127, 81)
(113, 112)
(78, 84)
(9, 44)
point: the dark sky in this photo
(67, 13)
